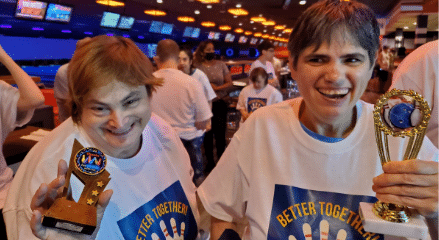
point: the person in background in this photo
(302, 166)
(384, 58)
(419, 72)
(182, 103)
(112, 84)
(16, 109)
(185, 64)
(266, 51)
(258, 94)
(61, 88)
(221, 81)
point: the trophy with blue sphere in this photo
(398, 113)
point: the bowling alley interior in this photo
(41, 36)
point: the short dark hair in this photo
(316, 24)
(259, 71)
(265, 45)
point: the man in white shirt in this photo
(266, 51)
(182, 103)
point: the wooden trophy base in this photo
(72, 216)
(414, 228)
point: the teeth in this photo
(332, 92)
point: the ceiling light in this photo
(235, 16)
(225, 28)
(265, 36)
(414, 23)
(208, 24)
(268, 23)
(240, 24)
(248, 33)
(197, 12)
(279, 27)
(280, 34)
(186, 19)
(254, 28)
(238, 11)
(258, 19)
(251, 22)
(209, 1)
(159, 1)
(302, 2)
(288, 30)
(238, 5)
(239, 30)
(111, 3)
(265, 30)
(258, 34)
(209, 6)
(155, 12)
(406, 27)
(260, 15)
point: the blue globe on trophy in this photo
(401, 113)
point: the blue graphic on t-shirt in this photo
(167, 216)
(307, 214)
(254, 103)
(270, 76)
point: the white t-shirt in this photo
(268, 67)
(419, 72)
(251, 99)
(181, 102)
(281, 178)
(157, 177)
(61, 91)
(8, 122)
(202, 78)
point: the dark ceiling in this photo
(87, 15)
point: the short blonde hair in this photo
(105, 58)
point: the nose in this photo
(333, 73)
(117, 119)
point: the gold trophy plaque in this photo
(398, 113)
(88, 165)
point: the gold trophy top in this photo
(401, 113)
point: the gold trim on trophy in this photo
(399, 113)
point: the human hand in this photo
(412, 183)
(44, 198)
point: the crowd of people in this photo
(292, 167)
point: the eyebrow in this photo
(349, 55)
(130, 95)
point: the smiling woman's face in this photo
(114, 116)
(332, 79)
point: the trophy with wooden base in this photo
(398, 113)
(88, 165)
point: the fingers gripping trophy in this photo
(398, 113)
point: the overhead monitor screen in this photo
(254, 41)
(242, 39)
(211, 35)
(188, 32)
(110, 19)
(126, 22)
(261, 41)
(167, 28)
(217, 36)
(156, 27)
(229, 38)
(196, 33)
(58, 13)
(30, 9)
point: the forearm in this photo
(226, 86)
(30, 94)
(218, 226)
(203, 125)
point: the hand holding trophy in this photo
(53, 206)
(400, 114)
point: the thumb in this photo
(36, 225)
(104, 199)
